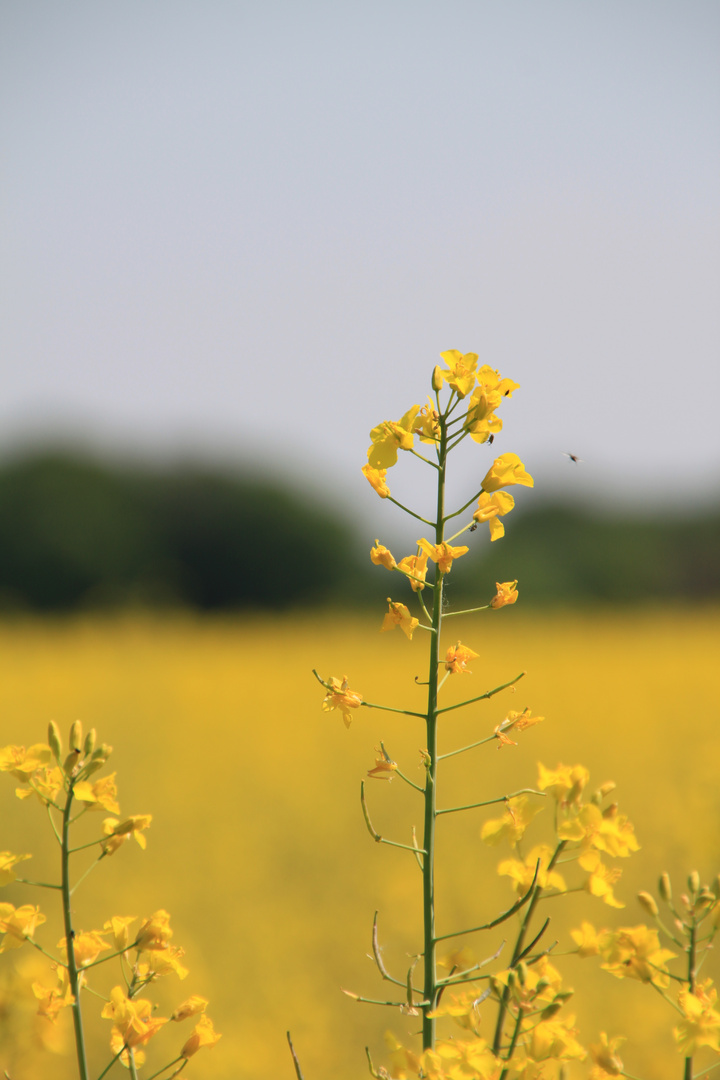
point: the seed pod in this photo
(648, 902)
(665, 888)
(54, 740)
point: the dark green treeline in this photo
(76, 533)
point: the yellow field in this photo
(258, 848)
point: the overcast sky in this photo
(252, 226)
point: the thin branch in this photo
(481, 742)
(426, 460)
(376, 835)
(501, 918)
(529, 948)
(412, 513)
(467, 611)
(378, 958)
(296, 1063)
(483, 697)
(490, 802)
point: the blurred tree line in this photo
(77, 533)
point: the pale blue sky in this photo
(232, 225)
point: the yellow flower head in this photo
(427, 424)
(605, 1058)
(602, 878)
(634, 952)
(191, 1007)
(589, 941)
(442, 554)
(18, 924)
(22, 763)
(415, 567)
(523, 873)
(54, 999)
(339, 696)
(492, 507)
(203, 1035)
(700, 1025)
(119, 927)
(460, 373)
(519, 812)
(384, 768)
(458, 657)
(46, 782)
(155, 933)
(87, 946)
(391, 436)
(8, 862)
(101, 795)
(506, 594)
(565, 783)
(506, 470)
(120, 831)
(376, 479)
(399, 615)
(381, 556)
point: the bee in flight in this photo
(573, 457)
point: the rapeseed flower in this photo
(605, 1058)
(565, 783)
(415, 568)
(634, 952)
(506, 594)
(203, 1034)
(120, 831)
(22, 763)
(458, 657)
(87, 946)
(506, 470)
(376, 479)
(194, 1005)
(99, 796)
(382, 556)
(700, 1025)
(492, 507)
(56, 998)
(443, 554)
(399, 615)
(519, 812)
(523, 873)
(391, 436)
(339, 696)
(18, 924)
(8, 862)
(460, 372)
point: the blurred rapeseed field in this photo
(258, 847)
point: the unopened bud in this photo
(54, 740)
(606, 788)
(716, 886)
(76, 737)
(89, 742)
(437, 378)
(705, 898)
(610, 811)
(97, 760)
(648, 902)
(522, 972)
(665, 888)
(694, 882)
(542, 985)
(551, 1010)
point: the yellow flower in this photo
(554, 1040)
(384, 767)
(415, 567)
(8, 862)
(101, 795)
(442, 554)
(22, 763)
(605, 1058)
(399, 615)
(46, 782)
(458, 657)
(522, 873)
(506, 594)
(381, 556)
(492, 507)
(460, 373)
(155, 933)
(506, 470)
(87, 946)
(519, 721)
(18, 924)
(700, 1025)
(391, 436)
(162, 962)
(427, 424)
(601, 879)
(203, 1035)
(55, 999)
(511, 826)
(634, 952)
(133, 1023)
(589, 941)
(339, 696)
(607, 830)
(191, 1007)
(376, 479)
(120, 831)
(565, 783)
(119, 927)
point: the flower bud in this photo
(716, 886)
(54, 740)
(437, 378)
(648, 902)
(522, 972)
(97, 760)
(552, 1010)
(607, 787)
(705, 899)
(665, 888)
(89, 742)
(694, 882)
(76, 737)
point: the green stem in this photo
(464, 506)
(427, 462)
(519, 948)
(85, 874)
(73, 977)
(471, 746)
(688, 1074)
(430, 984)
(490, 802)
(39, 884)
(467, 611)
